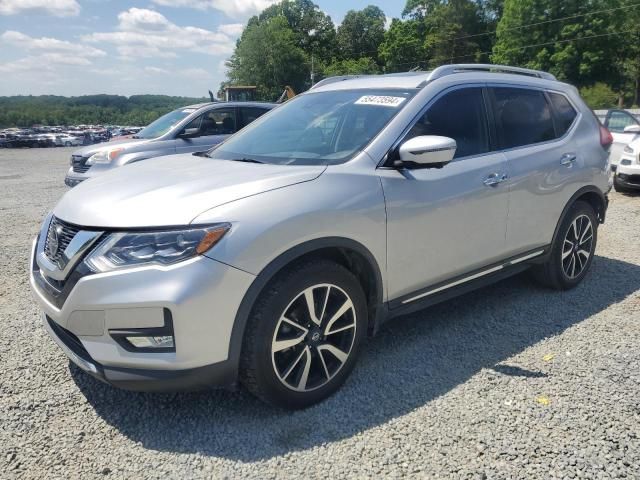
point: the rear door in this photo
(535, 132)
(214, 126)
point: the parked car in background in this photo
(627, 175)
(271, 258)
(625, 128)
(68, 141)
(191, 129)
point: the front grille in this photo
(79, 163)
(64, 232)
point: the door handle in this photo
(568, 159)
(494, 179)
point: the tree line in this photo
(26, 111)
(593, 44)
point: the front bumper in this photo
(628, 175)
(221, 374)
(202, 296)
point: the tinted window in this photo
(459, 115)
(523, 117)
(565, 113)
(249, 114)
(221, 121)
(617, 120)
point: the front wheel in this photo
(304, 335)
(573, 250)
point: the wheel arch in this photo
(347, 252)
(589, 194)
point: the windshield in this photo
(316, 128)
(164, 124)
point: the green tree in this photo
(361, 33)
(314, 31)
(267, 56)
(581, 48)
(361, 66)
(403, 45)
(599, 95)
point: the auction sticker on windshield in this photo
(382, 100)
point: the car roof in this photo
(230, 104)
(418, 79)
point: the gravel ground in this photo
(512, 381)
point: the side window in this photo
(565, 113)
(221, 121)
(249, 114)
(195, 123)
(523, 117)
(460, 115)
(617, 120)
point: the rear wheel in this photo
(304, 335)
(573, 250)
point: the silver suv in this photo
(195, 128)
(270, 260)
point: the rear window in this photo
(523, 117)
(565, 113)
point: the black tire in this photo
(258, 370)
(556, 271)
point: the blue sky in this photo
(173, 47)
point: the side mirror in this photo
(632, 129)
(427, 151)
(189, 133)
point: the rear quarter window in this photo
(564, 111)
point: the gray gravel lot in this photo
(511, 381)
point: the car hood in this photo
(171, 190)
(98, 147)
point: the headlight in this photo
(105, 156)
(122, 250)
(628, 149)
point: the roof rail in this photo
(445, 70)
(337, 78)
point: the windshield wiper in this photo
(246, 160)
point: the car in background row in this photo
(191, 129)
(627, 175)
(625, 128)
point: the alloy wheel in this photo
(314, 337)
(577, 247)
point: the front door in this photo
(444, 223)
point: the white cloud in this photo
(195, 74)
(232, 8)
(46, 54)
(47, 62)
(59, 8)
(47, 44)
(146, 33)
(156, 70)
(231, 29)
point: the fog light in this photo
(151, 342)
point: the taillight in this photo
(606, 139)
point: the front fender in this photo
(339, 203)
